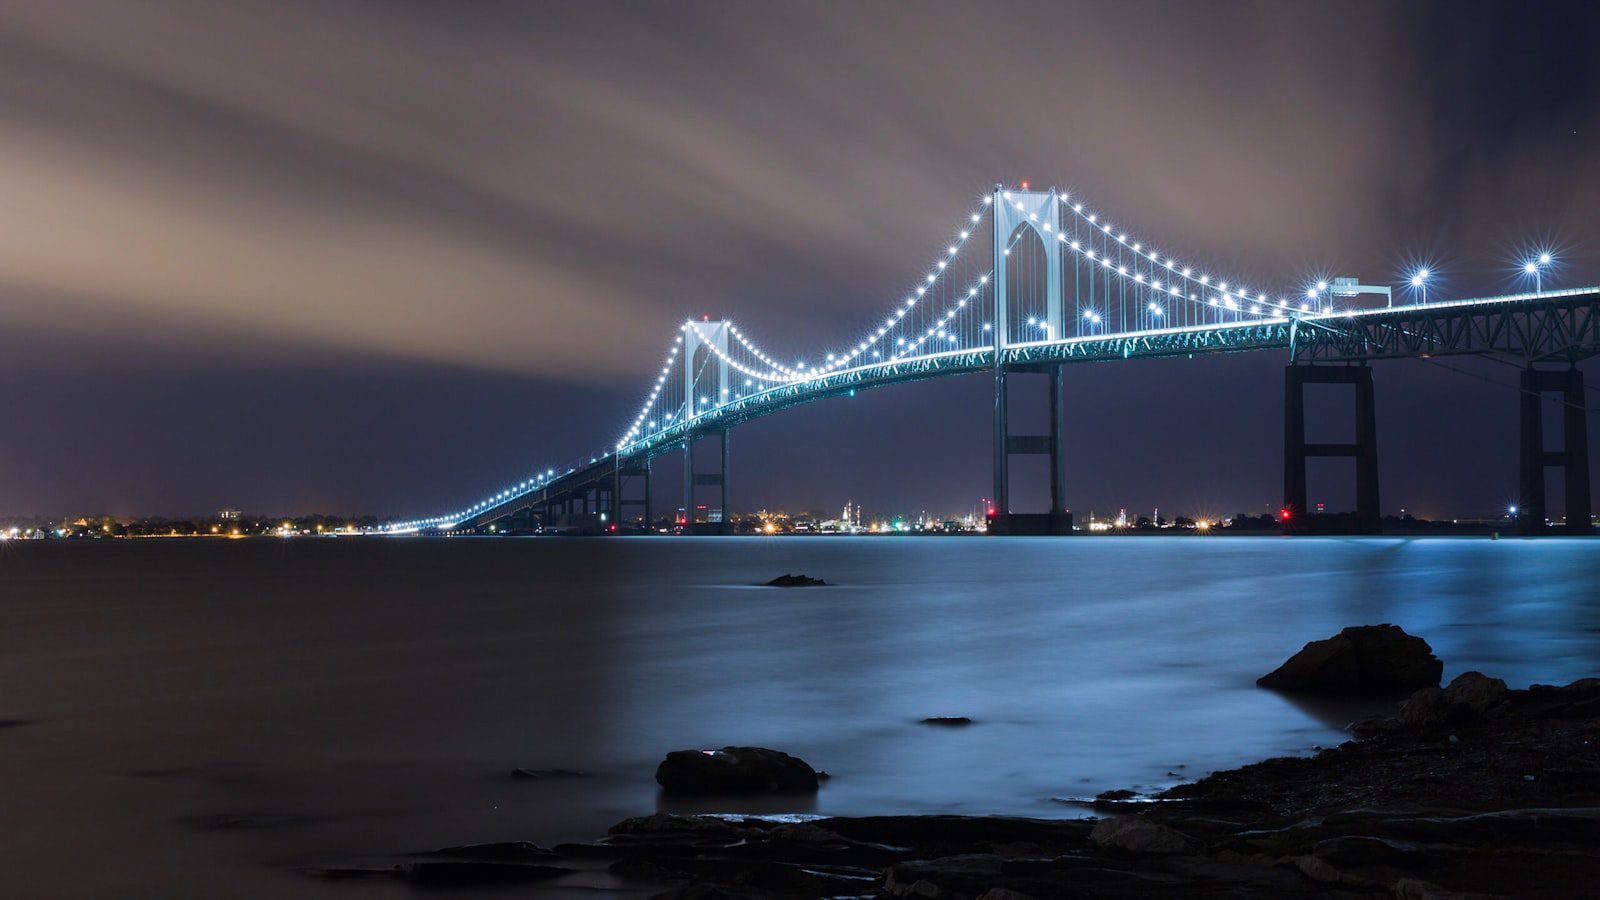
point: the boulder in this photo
(1476, 692)
(1135, 835)
(1362, 660)
(734, 770)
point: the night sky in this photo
(381, 257)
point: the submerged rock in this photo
(787, 580)
(735, 770)
(1362, 660)
(947, 720)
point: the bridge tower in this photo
(1368, 518)
(1040, 213)
(1572, 458)
(706, 385)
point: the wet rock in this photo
(1136, 835)
(787, 580)
(1116, 795)
(535, 774)
(1476, 692)
(1000, 893)
(1362, 660)
(1375, 726)
(506, 851)
(1427, 708)
(703, 892)
(947, 720)
(735, 770)
(666, 824)
(478, 873)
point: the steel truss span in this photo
(1029, 281)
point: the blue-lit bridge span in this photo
(1057, 285)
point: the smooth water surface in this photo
(199, 718)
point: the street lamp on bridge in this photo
(1535, 267)
(1420, 282)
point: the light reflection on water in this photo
(386, 688)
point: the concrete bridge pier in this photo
(620, 503)
(1001, 519)
(1572, 459)
(1295, 514)
(718, 479)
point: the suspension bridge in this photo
(1031, 282)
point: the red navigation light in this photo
(705, 317)
(990, 514)
(613, 528)
(1024, 185)
(1283, 514)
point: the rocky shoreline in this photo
(1503, 803)
(1470, 790)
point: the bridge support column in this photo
(619, 501)
(1059, 519)
(1368, 519)
(1573, 458)
(718, 479)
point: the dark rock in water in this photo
(547, 773)
(947, 720)
(787, 580)
(1363, 660)
(734, 770)
(506, 851)
(475, 873)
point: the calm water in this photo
(352, 697)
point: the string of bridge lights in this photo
(1222, 296)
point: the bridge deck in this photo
(1552, 325)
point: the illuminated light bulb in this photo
(1544, 259)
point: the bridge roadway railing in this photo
(1548, 326)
